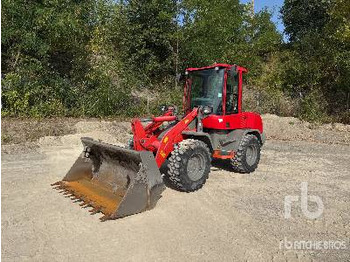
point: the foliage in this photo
(108, 58)
(43, 54)
(319, 50)
(302, 18)
(148, 39)
(210, 27)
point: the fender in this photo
(205, 137)
(237, 135)
(230, 141)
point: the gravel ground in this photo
(234, 217)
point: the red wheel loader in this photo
(123, 181)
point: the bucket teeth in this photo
(58, 186)
(82, 200)
(83, 204)
(104, 218)
(95, 210)
(88, 204)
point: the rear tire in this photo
(189, 165)
(247, 156)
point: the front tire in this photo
(247, 156)
(189, 165)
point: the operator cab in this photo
(217, 87)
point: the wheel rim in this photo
(196, 167)
(251, 154)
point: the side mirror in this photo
(163, 108)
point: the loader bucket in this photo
(115, 181)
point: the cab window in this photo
(232, 92)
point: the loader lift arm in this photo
(144, 138)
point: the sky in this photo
(272, 5)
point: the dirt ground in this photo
(234, 217)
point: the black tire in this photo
(189, 165)
(247, 156)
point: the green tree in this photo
(302, 18)
(227, 31)
(211, 28)
(338, 34)
(43, 54)
(319, 67)
(149, 40)
(260, 40)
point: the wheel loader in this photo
(119, 182)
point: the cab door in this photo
(232, 93)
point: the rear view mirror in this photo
(163, 108)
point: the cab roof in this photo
(240, 68)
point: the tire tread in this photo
(177, 174)
(238, 163)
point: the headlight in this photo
(207, 110)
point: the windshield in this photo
(206, 88)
